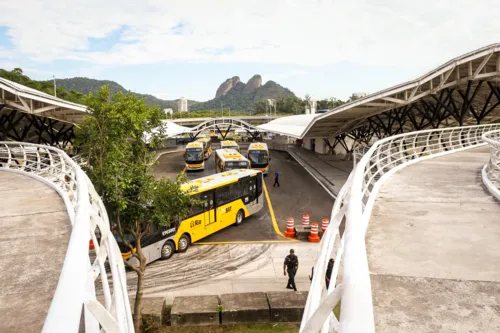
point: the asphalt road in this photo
(299, 193)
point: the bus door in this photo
(210, 218)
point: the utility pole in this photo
(55, 86)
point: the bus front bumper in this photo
(195, 166)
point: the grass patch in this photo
(336, 311)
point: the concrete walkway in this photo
(331, 171)
(434, 248)
(33, 242)
(232, 268)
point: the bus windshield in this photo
(194, 154)
(258, 156)
(236, 165)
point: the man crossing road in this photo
(276, 179)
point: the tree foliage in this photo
(119, 165)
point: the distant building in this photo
(311, 108)
(182, 105)
(168, 112)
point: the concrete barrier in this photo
(244, 308)
(302, 233)
(195, 311)
(226, 309)
(286, 306)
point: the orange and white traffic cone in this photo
(290, 228)
(313, 236)
(91, 245)
(324, 224)
(305, 220)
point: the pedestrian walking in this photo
(328, 274)
(276, 179)
(291, 265)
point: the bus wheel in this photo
(239, 217)
(167, 250)
(184, 243)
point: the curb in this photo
(298, 160)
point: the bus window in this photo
(259, 186)
(235, 191)
(258, 157)
(196, 209)
(194, 155)
(236, 165)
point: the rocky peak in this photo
(253, 84)
(235, 80)
(226, 86)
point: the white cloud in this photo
(419, 34)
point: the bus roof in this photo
(258, 145)
(203, 139)
(194, 145)
(228, 143)
(217, 180)
(228, 154)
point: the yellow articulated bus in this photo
(230, 159)
(225, 199)
(230, 144)
(207, 146)
(259, 158)
(193, 156)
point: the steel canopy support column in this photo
(219, 131)
(227, 131)
(194, 136)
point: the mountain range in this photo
(232, 93)
(85, 86)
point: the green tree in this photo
(119, 165)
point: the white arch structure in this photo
(354, 203)
(76, 287)
(218, 123)
(491, 171)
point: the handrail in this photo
(353, 205)
(76, 287)
(491, 171)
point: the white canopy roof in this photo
(18, 97)
(171, 130)
(292, 126)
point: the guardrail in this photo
(354, 205)
(491, 171)
(76, 287)
(279, 146)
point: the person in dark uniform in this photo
(276, 179)
(328, 274)
(291, 265)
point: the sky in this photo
(174, 48)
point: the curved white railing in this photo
(491, 171)
(76, 287)
(353, 205)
